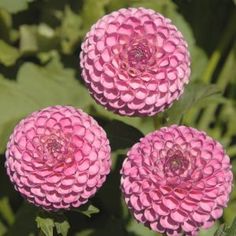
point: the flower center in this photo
(139, 53)
(176, 165)
(54, 148)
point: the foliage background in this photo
(39, 66)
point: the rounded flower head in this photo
(135, 62)
(58, 157)
(177, 180)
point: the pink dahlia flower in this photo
(177, 180)
(58, 157)
(135, 62)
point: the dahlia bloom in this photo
(58, 157)
(135, 62)
(176, 180)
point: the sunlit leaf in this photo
(88, 209)
(46, 225)
(37, 38)
(62, 227)
(28, 39)
(5, 24)
(8, 54)
(92, 11)
(14, 6)
(70, 30)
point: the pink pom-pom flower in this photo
(58, 157)
(135, 62)
(177, 180)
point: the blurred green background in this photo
(39, 66)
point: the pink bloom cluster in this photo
(58, 157)
(135, 62)
(177, 180)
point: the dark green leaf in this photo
(3, 229)
(24, 223)
(122, 135)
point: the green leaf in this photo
(199, 61)
(210, 231)
(6, 211)
(88, 209)
(229, 212)
(46, 225)
(114, 5)
(193, 93)
(162, 6)
(3, 229)
(70, 30)
(140, 229)
(33, 91)
(87, 232)
(14, 105)
(92, 11)
(5, 24)
(14, 6)
(8, 54)
(28, 39)
(224, 230)
(232, 230)
(48, 221)
(122, 135)
(221, 231)
(62, 227)
(34, 38)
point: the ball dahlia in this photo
(176, 180)
(135, 62)
(58, 157)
